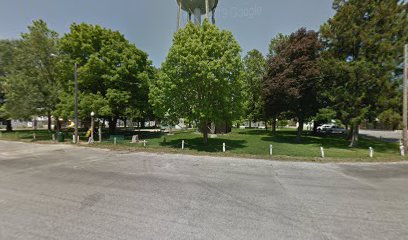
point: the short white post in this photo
(100, 134)
(144, 143)
(182, 145)
(114, 141)
(223, 147)
(270, 150)
(34, 137)
(371, 152)
(402, 150)
(73, 138)
(53, 137)
(322, 152)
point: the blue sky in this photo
(150, 24)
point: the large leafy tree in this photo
(273, 94)
(31, 86)
(292, 79)
(113, 74)
(364, 49)
(255, 67)
(276, 44)
(201, 77)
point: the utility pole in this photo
(76, 104)
(405, 103)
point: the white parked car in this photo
(324, 127)
(330, 128)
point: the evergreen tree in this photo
(364, 50)
(7, 55)
(31, 87)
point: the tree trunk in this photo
(205, 135)
(349, 132)
(315, 125)
(250, 124)
(300, 130)
(354, 137)
(125, 122)
(274, 125)
(49, 121)
(112, 125)
(58, 123)
(204, 130)
(9, 127)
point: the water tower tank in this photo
(197, 8)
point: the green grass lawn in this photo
(248, 143)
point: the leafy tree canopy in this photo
(113, 74)
(292, 78)
(201, 77)
(255, 68)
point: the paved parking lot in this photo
(67, 192)
(390, 136)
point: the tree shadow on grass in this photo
(327, 141)
(143, 135)
(253, 132)
(214, 144)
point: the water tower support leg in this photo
(197, 16)
(179, 16)
(206, 9)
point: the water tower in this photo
(196, 8)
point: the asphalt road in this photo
(66, 192)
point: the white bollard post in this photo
(182, 145)
(73, 138)
(402, 150)
(270, 150)
(100, 134)
(114, 141)
(223, 147)
(322, 152)
(53, 137)
(371, 152)
(34, 137)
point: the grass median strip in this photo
(242, 142)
